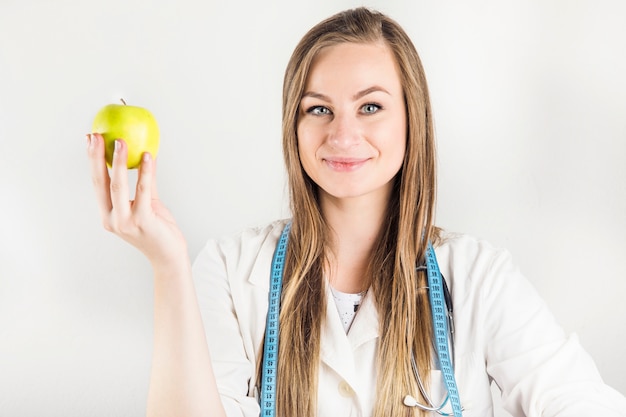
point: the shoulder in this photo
(471, 262)
(241, 254)
(465, 247)
(246, 241)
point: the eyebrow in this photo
(357, 96)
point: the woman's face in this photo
(352, 121)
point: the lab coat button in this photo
(345, 389)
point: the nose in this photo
(343, 131)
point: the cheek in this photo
(308, 138)
(306, 150)
(397, 143)
(301, 140)
(397, 158)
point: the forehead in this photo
(354, 65)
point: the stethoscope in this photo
(443, 324)
(409, 400)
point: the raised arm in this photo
(182, 381)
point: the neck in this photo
(355, 225)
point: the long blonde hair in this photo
(397, 287)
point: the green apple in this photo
(135, 125)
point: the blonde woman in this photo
(355, 319)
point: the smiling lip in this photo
(345, 164)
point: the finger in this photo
(154, 192)
(119, 180)
(99, 172)
(145, 183)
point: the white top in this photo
(347, 306)
(504, 333)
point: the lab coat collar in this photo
(261, 271)
(338, 348)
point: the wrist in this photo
(174, 266)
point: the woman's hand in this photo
(182, 380)
(144, 222)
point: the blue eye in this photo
(370, 108)
(318, 110)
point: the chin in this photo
(353, 192)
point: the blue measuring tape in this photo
(270, 349)
(440, 325)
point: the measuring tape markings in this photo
(270, 350)
(440, 324)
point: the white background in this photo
(529, 100)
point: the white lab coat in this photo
(504, 333)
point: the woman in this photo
(355, 315)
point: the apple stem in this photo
(122, 100)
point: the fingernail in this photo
(146, 156)
(118, 145)
(88, 140)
